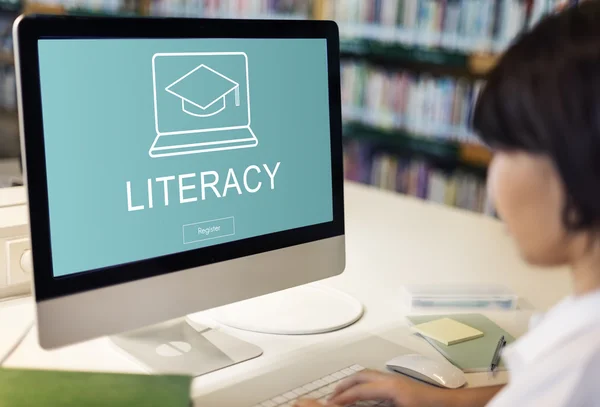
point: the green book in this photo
(28, 387)
(474, 355)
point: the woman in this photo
(540, 112)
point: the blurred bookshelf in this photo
(430, 59)
(10, 171)
(411, 71)
(415, 175)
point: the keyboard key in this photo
(330, 388)
(279, 400)
(321, 389)
(311, 387)
(317, 394)
(300, 391)
(329, 379)
(348, 371)
(290, 395)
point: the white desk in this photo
(391, 240)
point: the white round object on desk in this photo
(304, 310)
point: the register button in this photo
(210, 229)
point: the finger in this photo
(363, 392)
(366, 376)
(307, 403)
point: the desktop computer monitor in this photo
(176, 165)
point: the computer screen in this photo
(159, 146)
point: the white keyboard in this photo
(320, 389)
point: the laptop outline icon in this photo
(248, 138)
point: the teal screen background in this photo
(99, 123)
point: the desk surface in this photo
(391, 240)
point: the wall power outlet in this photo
(15, 248)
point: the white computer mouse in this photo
(441, 374)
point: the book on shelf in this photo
(422, 104)
(281, 9)
(462, 25)
(108, 6)
(416, 177)
(8, 86)
(465, 25)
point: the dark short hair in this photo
(543, 97)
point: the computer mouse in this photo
(441, 374)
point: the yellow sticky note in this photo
(448, 331)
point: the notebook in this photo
(448, 331)
(474, 355)
(24, 387)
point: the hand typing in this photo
(367, 385)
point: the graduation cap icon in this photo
(201, 103)
(203, 91)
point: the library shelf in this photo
(9, 121)
(90, 12)
(43, 8)
(469, 154)
(8, 112)
(8, 7)
(50, 8)
(9, 135)
(483, 62)
(6, 58)
(476, 64)
(475, 154)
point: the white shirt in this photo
(557, 363)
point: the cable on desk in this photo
(14, 347)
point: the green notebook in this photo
(474, 355)
(25, 388)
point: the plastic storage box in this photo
(459, 296)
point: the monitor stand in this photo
(184, 347)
